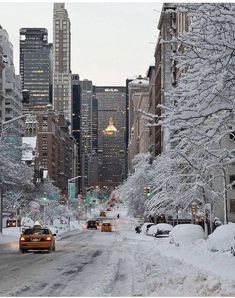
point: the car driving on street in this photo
(37, 238)
(106, 227)
(92, 224)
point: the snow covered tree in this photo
(200, 115)
(132, 190)
(15, 176)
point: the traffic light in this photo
(44, 199)
(147, 192)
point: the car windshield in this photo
(162, 232)
(36, 231)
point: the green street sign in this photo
(88, 198)
(55, 196)
(72, 190)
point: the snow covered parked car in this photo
(160, 230)
(145, 227)
(222, 239)
(186, 234)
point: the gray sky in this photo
(110, 41)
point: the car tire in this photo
(53, 248)
(22, 250)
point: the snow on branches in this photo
(132, 190)
(199, 116)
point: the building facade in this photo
(93, 180)
(36, 64)
(57, 150)
(76, 108)
(86, 131)
(11, 94)
(62, 78)
(136, 89)
(2, 89)
(111, 103)
(113, 162)
(153, 109)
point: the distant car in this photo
(11, 223)
(145, 227)
(92, 224)
(37, 238)
(106, 227)
(160, 230)
(186, 234)
(222, 239)
(108, 209)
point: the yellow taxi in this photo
(106, 227)
(37, 238)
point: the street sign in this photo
(88, 198)
(72, 190)
(55, 196)
(11, 139)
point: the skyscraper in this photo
(86, 130)
(36, 64)
(111, 103)
(113, 158)
(76, 118)
(62, 83)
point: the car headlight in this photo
(22, 239)
(48, 238)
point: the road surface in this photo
(95, 263)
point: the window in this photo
(232, 180)
(232, 205)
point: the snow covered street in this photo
(121, 263)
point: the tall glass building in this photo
(111, 105)
(36, 65)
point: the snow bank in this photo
(153, 230)
(222, 238)
(186, 233)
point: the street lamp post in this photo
(1, 186)
(70, 180)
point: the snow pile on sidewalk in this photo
(223, 238)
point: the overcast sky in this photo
(110, 41)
